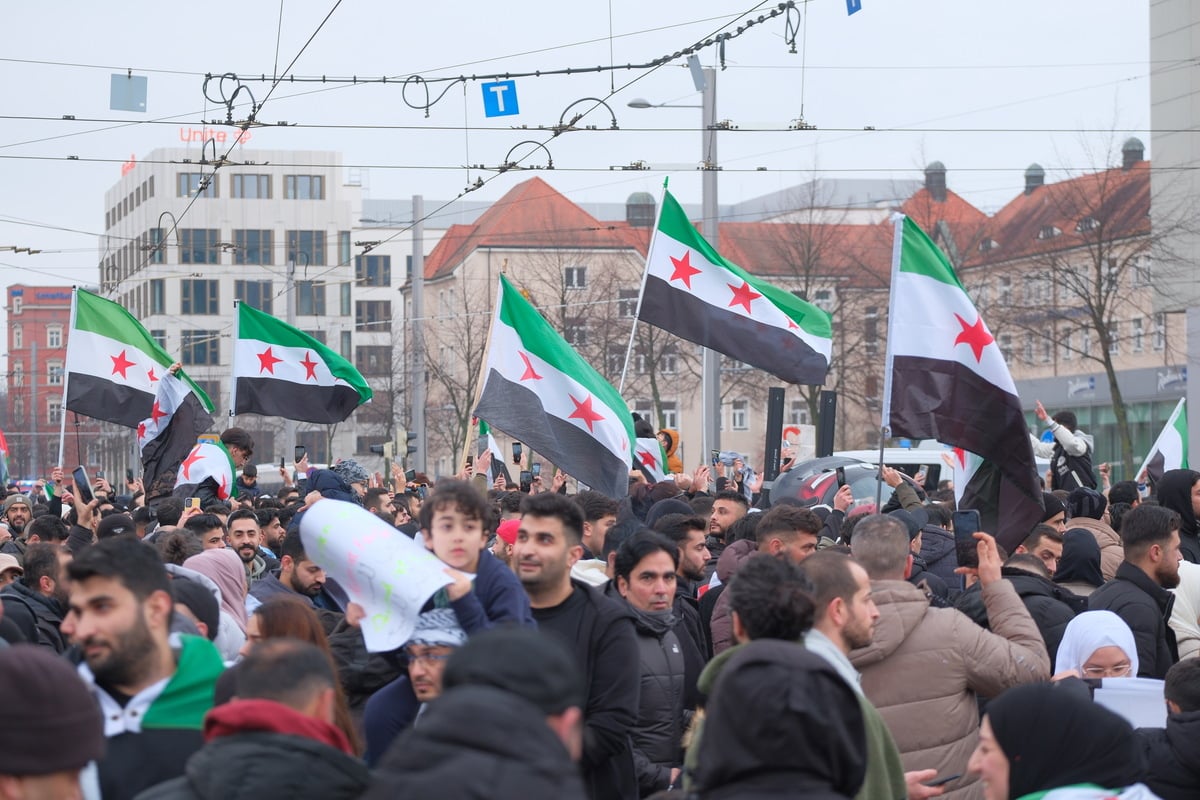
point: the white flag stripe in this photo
(1169, 442)
(92, 354)
(932, 333)
(247, 364)
(712, 283)
(555, 389)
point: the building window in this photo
(1136, 336)
(373, 270)
(154, 239)
(1141, 271)
(253, 246)
(318, 335)
(201, 348)
(871, 392)
(317, 445)
(310, 298)
(373, 360)
(644, 409)
(199, 246)
(344, 291)
(1085, 342)
(823, 299)
(1068, 351)
(54, 373)
(347, 344)
(54, 336)
(1160, 331)
(306, 248)
(670, 414)
(1114, 339)
(343, 247)
(627, 302)
(18, 374)
(198, 296)
(871, 330)
(213, 390)
(18, 303)
(252, 187)
(1047, 346)
(159, 336)
(739, 417)
(576, 333)
(798, 414)
(1028, 356)
(1005, 291)
(256, 294)
(372, 315)
(575, 277)
(304, 187)
(18, 337)
(158, 296)
(54, 410)
(189, 184)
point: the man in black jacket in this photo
(277, 738)
(43, 590)
(1138, 594)
(597, 629)
(1173, 753)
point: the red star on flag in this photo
(156, 413)
(120, 364)
(310, 366)
(684, 269)
(647, 458)
(141, 430)
(223, 489)
(584, 411)
(267, 362)
(743, 295)
(150, 374)
(530, 372)
(974, 336)
(192, 458)
(792, 326)
(961, 456)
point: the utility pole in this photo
(710, 395)
(35, 369)
(289, 425)
(416, 380)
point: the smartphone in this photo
(300, 452)
(194, 502)
(716, 457)
(941, 781)
(516, 452)
(526, 480)
(83, 487)
(470, 461)
(129, 476)
(536, 469)
(841, 476)
(281, 464)
(966, 525)
(410, 475)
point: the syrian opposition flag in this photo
(1170, 450)
(539, 390)
(649, 456)
(696, 294)
(945, 379)
(279, 371)
(3, 460)
(113, 364)
(166, 437)
(206, 460)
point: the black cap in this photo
(199, 600)
(523, 662)
(115, 525)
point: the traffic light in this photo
(411, 438)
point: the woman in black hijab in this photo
(1079, 568)
(1177, 491)
(1050, 736)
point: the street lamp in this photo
(706, 82)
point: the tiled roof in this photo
(531, 214)
(859, 255)
(954, 217)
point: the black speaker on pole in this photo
(826, 421)
(774, 443)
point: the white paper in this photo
(1139, 700)
(381, 569)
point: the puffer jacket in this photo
(1145, 606)
(659, 731)
(721, 626)
(1112, 552)
(1051, 606)
(1173, 756)
(674, 463)
(937, 548)
(926, 666)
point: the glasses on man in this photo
(1121, 670)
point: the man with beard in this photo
(688, 534)
(297, 575)
(244, 537)
(272, 530)
(1138, 594)
(42, 591)
(845, 620)
(17, 513)
(597, 629)
(153, 689)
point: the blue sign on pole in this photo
(853, 5)
(500, 99)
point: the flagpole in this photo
(237, 337)
(886, 415)
(642, 289)
(487, 351)
(62, 411)
(1154, 446)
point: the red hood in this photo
(267, 716)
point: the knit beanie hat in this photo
(17, 500)
(1085, 502)
(507, 530)
(1053, 506)
(350, 471)
(52, 723)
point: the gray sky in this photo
(995, 87)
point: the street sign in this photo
(853, 5)
(500, 99)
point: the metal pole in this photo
(35, 370)
(289, 425)
(711, 377)
(416, 378)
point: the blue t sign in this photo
(853, 5)
(500, 99)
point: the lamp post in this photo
(710, 381)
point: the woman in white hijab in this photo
(1097, 644)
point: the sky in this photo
(986, 89)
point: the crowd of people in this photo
(692, 638)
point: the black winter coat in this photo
(937, 549)
(262, 766)
(1146, 608)
(477, 742)
(47, 614)
(1051, 606)
(1172, 757)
